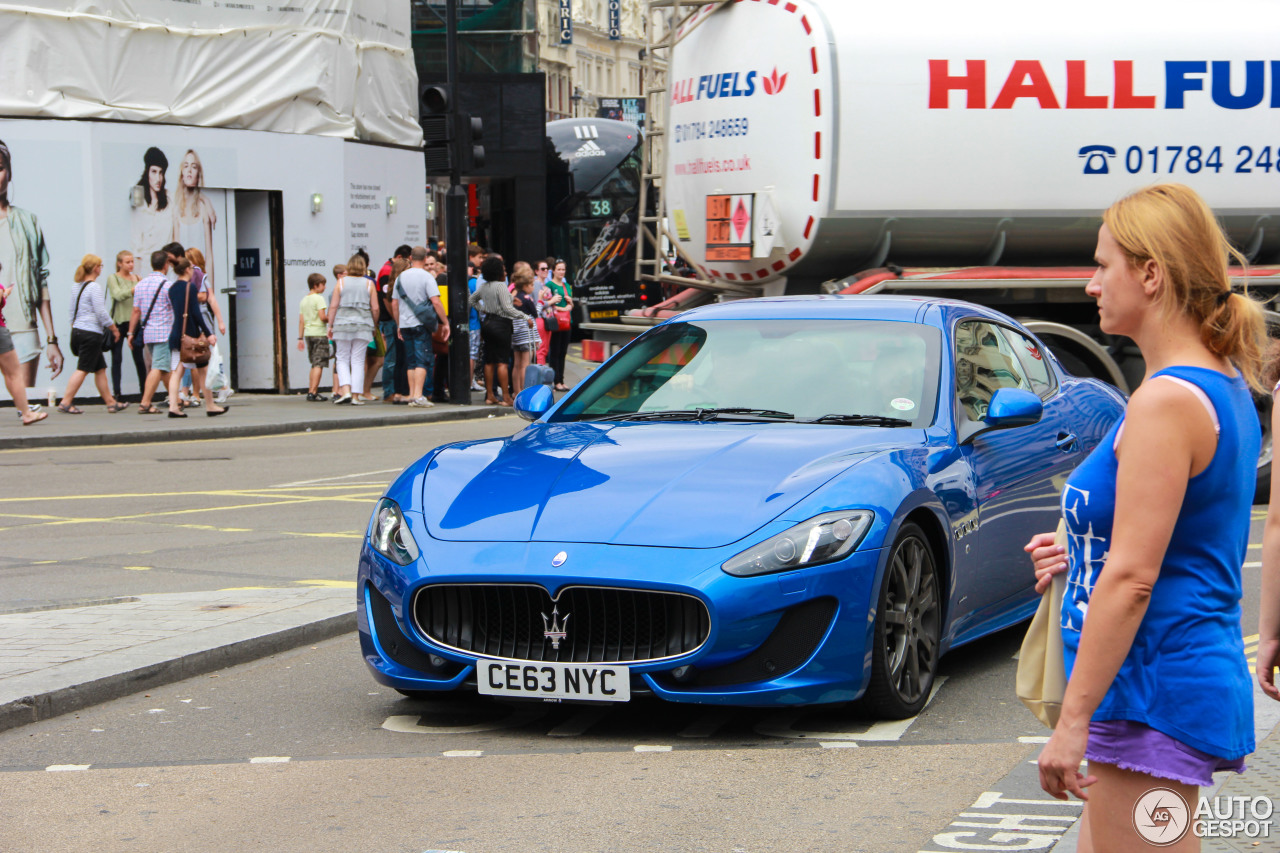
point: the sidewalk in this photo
(59, 660)
(250, 415)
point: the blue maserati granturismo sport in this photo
(767, 502)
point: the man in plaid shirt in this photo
(153, 312)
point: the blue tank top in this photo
(1186, 674)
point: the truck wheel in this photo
(904, 656)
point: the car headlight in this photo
(822, 539)
(390, 536)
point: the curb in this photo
(43, 706)
(249, 430)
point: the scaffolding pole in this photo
(681, 19)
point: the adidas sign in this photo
(590, 149)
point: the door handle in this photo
(1066, 441)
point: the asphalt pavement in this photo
(58, 659)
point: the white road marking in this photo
(412, 723)
(1034, 739)
(331, 479)
(578, 723)
(463, 753)
(270, 759)
(781, 725)
(837, 744)
(652, 748)
(59, 768)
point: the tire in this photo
(908, 629)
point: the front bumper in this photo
(791, 638)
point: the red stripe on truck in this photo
(813, 57)
(808, 228)
(817, 102)
(817, 145)
(808, 29)
(815, 187)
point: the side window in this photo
(1034, 364)
(985, 363)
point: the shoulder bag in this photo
(426, 314)
(137, 334)
(194, 350)
(1042, 675)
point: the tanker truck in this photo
(965, 149)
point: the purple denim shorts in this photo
(1138, 747)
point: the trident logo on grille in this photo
(555, 629)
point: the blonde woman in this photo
(195, 217)
(120, 285)
(90, 322)
(353, 313)
(1158, 691)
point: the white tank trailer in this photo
(814, 144)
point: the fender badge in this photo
(558, 559)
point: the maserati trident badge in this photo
(558, 559)
(555, 627)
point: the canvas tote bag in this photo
(1042, 676)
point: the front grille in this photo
(601, 625)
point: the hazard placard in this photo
(729, 227)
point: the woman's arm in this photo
(333, 304)
(1164, 442)
(373, 301)
(504, 308)
(1269, 609)
(210, 217)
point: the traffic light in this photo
(434, 101)
(470, 152)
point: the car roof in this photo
(911, 309)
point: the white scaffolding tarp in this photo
(323, 67)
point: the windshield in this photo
(799, 370)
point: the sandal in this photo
(148, 410)
(36, 417)
(117, 406)
(70, 410)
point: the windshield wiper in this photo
(861, 420)
(728, 413)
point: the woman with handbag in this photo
(92, 333)
(189, 341)
(1158, 692)
(353, 315)
(120, 285)
(561, 304)
(495, 327)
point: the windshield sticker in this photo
(902, 404)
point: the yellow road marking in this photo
(325, 535)
(329, 584)
(137, 568)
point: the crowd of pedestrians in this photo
(395, 324)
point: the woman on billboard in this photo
(24, 268)
(153, 222)
(196, 217)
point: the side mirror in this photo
(1013, 407)
(532, 403)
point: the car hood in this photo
(685, 485)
